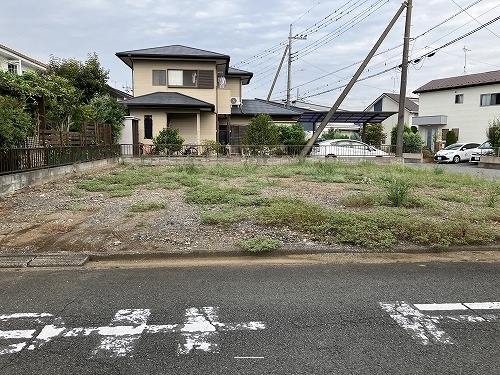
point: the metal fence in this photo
(27, 159)
(217, 150)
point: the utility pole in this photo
(465, 60)
(289, 83)
(404, 77)
(277, 73)
(351, 83)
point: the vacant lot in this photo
(305, 205)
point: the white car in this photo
(485, 149)
(455, 153)
(345, 147)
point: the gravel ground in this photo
(47, 218)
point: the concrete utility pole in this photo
(351, 83)
(404, 76)
(277, 74)
(289, 83)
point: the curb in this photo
(78, 260)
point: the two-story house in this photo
(192, 90)
(17, 63)
(465, 104)
(390, 103)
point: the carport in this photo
(311, 119)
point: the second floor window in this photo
(12, 68)
(459, 98)
(184, 78)
(159, 77)
(490, 99)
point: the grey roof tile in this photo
(167, 99)
(478, 79)
(254, 107)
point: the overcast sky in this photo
(340, 34)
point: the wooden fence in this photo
(93, 134)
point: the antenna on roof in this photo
(465, 60)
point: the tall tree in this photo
(89, 78)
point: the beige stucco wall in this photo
(234, 85)
(186, 123)
(469, 117)
(143, 79)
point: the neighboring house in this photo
(17, 63)
(465, 104)
(390, 102)
(118, 94)
(192, 90)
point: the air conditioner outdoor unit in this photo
(235, 100)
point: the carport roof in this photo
(356, 117)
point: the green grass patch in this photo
(147, 206)
(260, 244)
(223, 216)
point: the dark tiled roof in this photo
(253, 107)
(478, 79)
(174, 51)
(167, 100)
(246, 76)
(409, 104)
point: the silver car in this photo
(345, 147)
(485, 149)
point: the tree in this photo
(493, 132)
(374, 134)
(15, 123)
(334, 134)
(451, 137)
(168, 139)
(412, 142)
(88, 78)
(291, 135)
(106, 110)
(260, 131)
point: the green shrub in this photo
(451, 137)
(169, 140)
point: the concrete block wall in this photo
(16, 181)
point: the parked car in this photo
(345, 147)
(455, 153)
(485, 149)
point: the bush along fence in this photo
(218, 150)
(27, 159)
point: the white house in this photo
(17, 63)
(390, 103)
(465, 104)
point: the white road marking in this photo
(199, 331)
(248, 357)
(423, 327)
(126, 328)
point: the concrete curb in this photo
(76, 260)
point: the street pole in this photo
(404, 76)
(277, 73)
(289, 81)
(351, 83)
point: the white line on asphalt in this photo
(248, 357)
(458, 306)
(25, 315)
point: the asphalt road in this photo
(252, 319)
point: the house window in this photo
(377, 107)
(490, 99)
(183, 78)
(459, 98)
(159, 77)
(148, 127)
(12, 68)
